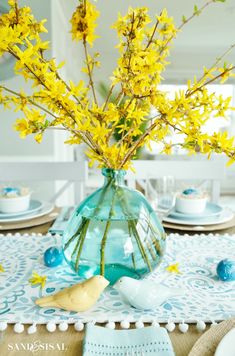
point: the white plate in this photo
(225, 216)
(226, 346)
(210, 210)
(34, 205)
(46, 209)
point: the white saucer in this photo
(46, 209)
(34, 205)
(225, 216)
(226, 346)
(210, 210)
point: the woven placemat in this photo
(196, 228)
(31, 222)
(208, 342)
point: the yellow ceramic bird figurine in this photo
(78, 298)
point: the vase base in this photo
(113, 272)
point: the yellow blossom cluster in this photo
(144, 46)
(143, 51)
(84, 22)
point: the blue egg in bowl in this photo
(226, 270)
(53, 256)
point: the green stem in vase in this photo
(132, 255)
(157, 246)
(133, 260)
(155, 241)
(102, 250)
(139, 243)
(76, 233)
(157, 232)
(81, 226)
(151, 251)
(77, 245)
(104, 239)
(128, 216)
(132, 227)
(82, 230)
(81, 240)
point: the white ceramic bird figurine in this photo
(144, 294)
(78, 298)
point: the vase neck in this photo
(114, 175)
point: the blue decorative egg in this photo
(9, 191)
(53, 256)
(190, 191)
(226, 270)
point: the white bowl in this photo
(14, 205)
(190, 205)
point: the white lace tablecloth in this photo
(205, 298)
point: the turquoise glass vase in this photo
(114, 232)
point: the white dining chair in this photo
(192, 169)
(70, 172)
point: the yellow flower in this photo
(163, 18)
(78, 89)
(34, 115)
(11, 2)
(22, 126)
(168, 148)
(83, 23)
(73, 140)
(36, 279)
(100, 132)
(1, 268)
(173, 268)
(38, 138)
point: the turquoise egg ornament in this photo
(53, 256)
(9, 191)
(190, 191)
(226, 270)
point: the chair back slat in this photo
(71, 172)
(209, 170)
(46, 171)
(187, 170)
